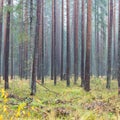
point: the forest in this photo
(59, 59)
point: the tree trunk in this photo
(68, 45)
(1, 23)
(52, 42)
(6, 48)
(55, 52)
(35, 57)
(62, 38)
(119, 53)
(88, 46)
(82, 45)
(76, 9)
(42, 71)
(109, 45)
(11, 38)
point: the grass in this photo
(59, 102)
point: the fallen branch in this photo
(47, 88)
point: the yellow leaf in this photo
(1, 117)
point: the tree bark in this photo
(1, 24)
(88, 46)
(35, 57)
(68, 44)
(119, 53)
(62, 38)
(109, 45)
(76, 9)
(6, 48)
(82, 45)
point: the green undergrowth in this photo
(59, 102)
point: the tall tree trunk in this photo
(52, 42)
(35, 57)
(109, 45)
(6, 48)
(55, 52)
(68, 44)
(97, 49)
(88, 46)
(1, 22)
(76, 3)
(119, 53)
(62, 38)
(11, 38)
(82, 45)
(42, 42)
(26, 41)
(114, 41)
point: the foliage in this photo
(53, 103)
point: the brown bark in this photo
(88, 46)
(119, 52)
(76, 5)
(1, 23)
(6, 48)
(11, 38)
(82, 45)
(42, 71)
(62, 38)
(52, 43)
(68, 44)
(55, 52)
(109, 45)
(36, 43)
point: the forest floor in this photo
(59, 102)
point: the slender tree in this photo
(68, 44)
(88, 46)
(55, 52)
(119, 52)
(62, 38)
(1, 22)
(76, 9)
(82, 45)
(52, 42)
(42, 42)
(11, 39)
(109, 45)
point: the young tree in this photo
(68, 44)
(119, 52)
(6, 47)
(88, 46)
(109, 45)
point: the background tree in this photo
(1, 22)
(82, 44)
(109, 45)
(76, 16)
(119, 53)
(68, 44)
